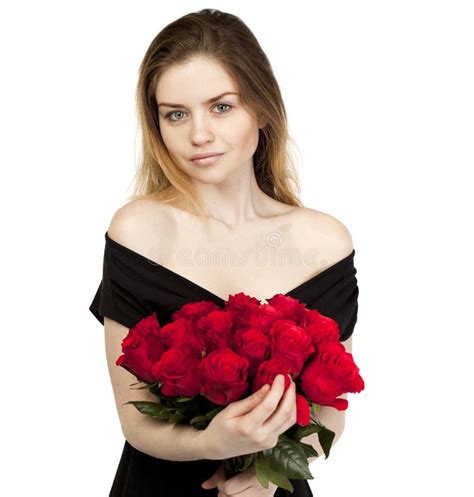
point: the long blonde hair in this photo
(224, 38)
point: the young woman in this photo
(214, 213)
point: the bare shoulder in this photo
(136, 224)
(327, 232)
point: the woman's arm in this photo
(156, 438)
(165, 440)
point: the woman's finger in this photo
(239, 482)
(286, 411)
(260, 413)
(215, 480)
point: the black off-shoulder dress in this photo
(132, 287)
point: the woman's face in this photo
(197, 125)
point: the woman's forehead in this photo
(199, 80)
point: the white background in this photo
(380, 102)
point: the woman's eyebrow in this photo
(210, 101)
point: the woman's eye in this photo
(168, 116)
(226, 105)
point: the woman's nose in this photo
(201, 134)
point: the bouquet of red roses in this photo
(208, 356)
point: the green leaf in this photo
(297, 432)
(247, 461)
(265, 473)
(238, 464)
(177, 417)
(326, 438)
(153, 409)
(325, 435)
(155, 389)
(309, 450)
(207, 416)
(289, 457)
(184, 399)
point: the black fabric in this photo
(132, 287)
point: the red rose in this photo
(141, 348)
(319, 326)
(224, 376)
(302, 411)
(290, 343)
(267, 371)
(177, 370)
(241, 307)
(176, 332)
(263, 317)
(254, 345)
(216, 330)
(266, 375)
(330, 374)
(241, 302)
(194, 310)
(290, 307)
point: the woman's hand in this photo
(245, 484)
(254, 423)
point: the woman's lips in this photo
(206, 161)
